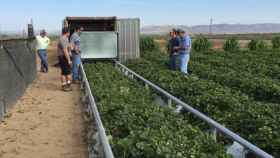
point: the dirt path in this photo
(46, 122)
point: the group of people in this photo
(180, 46)
(68, 52)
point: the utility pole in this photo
(30, 29)
(0, 31)
(1, 43)
(210, 26)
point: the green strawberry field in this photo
(240, 90)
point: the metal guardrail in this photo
(215, 125)
(93, 108)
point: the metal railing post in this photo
(214, 132)
(146, 86)
(169, 103)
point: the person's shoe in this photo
(63, 87)
(66, 88)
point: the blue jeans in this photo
(184, 61)
(76, 62)
(44, 60)
(173, 62)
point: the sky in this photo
(48, 14)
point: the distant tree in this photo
(257, 45)
(262, 45)
(147, 43)
(201, 44)
(231, 45)
(276, 42)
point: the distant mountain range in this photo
(216, 29)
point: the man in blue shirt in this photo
(174, 43)
(184, 51)
(76, 53)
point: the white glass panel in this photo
(99, 45)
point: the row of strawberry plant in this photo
(253, 120)
(260, 88)
(268, 57)
(264, 64)
(139, 128)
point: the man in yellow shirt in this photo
(42, 45)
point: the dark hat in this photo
(174, 30)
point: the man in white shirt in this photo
(42, 45)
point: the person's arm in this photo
(190, 43)
(186, 44)
(72, 43)
(48, 41)
(77, 44)
(76, 48)
(66, 53)
(65, 46)
(177, 47)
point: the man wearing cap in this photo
(42, 44)
(184, 51)
(76, 53)
(174, 43)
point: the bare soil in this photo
(46, 122)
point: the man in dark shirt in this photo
(174, 43)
